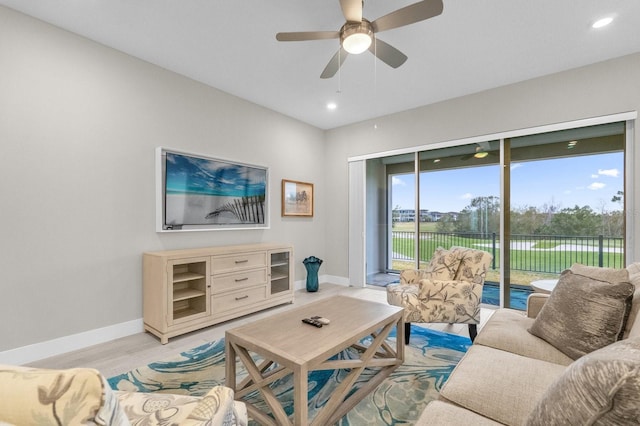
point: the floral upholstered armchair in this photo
(448, 290)
(82, 396)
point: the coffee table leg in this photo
(400, 340)
(301, 395)
(230, 364)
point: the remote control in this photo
(312, 322)
(321, 320)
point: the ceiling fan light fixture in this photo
(356, 38)
(600, 23)
(480, 153)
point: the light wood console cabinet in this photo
(185, 290)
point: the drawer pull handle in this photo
(242, 261)
(241, 279)
(243, 297)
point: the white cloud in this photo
(594, 176)
(596, 185)
(466, 196)
(397, 181)
(516, 166)
(609, 172)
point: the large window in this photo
(551, 199)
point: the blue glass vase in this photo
(312, 264)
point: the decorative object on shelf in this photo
(312, 264)
(297, 198)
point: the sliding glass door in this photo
(459, 198)
(537, 203)
(566, 204)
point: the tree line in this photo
(482, 215)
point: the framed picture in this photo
(297, 198)
(198, 192)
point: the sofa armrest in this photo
(535, 301)
(218, 407)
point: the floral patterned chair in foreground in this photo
(449, 290)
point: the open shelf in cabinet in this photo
(189, 291)
(186, 276)
(280, 270)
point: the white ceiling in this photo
(230, 44)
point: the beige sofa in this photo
(30, 396)
(511, 376)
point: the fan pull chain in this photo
(339, 70)
(375, 78)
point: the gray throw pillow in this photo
(601, 388)
(584, 313)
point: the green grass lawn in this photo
(539, 262)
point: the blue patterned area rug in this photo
(429, 359)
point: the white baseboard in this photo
(302, 284)
(38, 351)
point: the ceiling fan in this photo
(482, 149)
(358, 34)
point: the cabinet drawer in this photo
(236, 262)
(238, 299)
(238, 280)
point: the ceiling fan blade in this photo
(352, 10)
(307, 35)
(334, 64)
(408, 15)
(387, 53)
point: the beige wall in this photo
(79, 124)
(602, 89)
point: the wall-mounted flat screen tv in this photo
(204, 193)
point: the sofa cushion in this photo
(633, 323)
(587, 310)
(444, 414)
(610, 275)
(42, 396)
(507, 330)
(602, 387)
(500, 385)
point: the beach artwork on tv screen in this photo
(205, 191)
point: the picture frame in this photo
(198, 192)
(297, 198)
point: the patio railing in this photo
(532, 253)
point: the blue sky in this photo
(187, 174)
(565, 182)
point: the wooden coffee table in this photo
(297, 348)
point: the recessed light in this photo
(602, 22)
(332, 106)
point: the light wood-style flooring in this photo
(121, 355)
